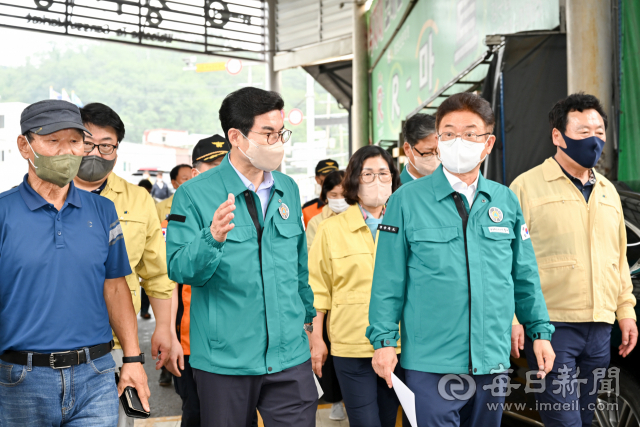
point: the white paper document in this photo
(320, 391)
(407, 399)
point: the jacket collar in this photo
(326, 212)
(552, 171)
(115, 183)
(442, 188)
(34, 201)
(354, 218)
(484, 186)
(232, 182)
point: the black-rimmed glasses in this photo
(469, 136)
(425, 155)
(105, 149)
(273, 137)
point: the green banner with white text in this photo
(438, 40)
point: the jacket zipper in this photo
(464, 215)
(253, 212)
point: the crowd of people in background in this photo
(260, 302)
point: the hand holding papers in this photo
(407, 399)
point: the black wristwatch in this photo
(308, 327)
(134, 359)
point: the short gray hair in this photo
(418, 127)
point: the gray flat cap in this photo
(49, 116)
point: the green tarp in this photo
(629, 154)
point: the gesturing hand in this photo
(221, 223)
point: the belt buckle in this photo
(52, 361)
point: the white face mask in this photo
(424, 165)
(264, 157)
(318, 189)
(338, 205)
(375, 193)
(460, 155)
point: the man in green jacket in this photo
(420, 147)
(236, 236)
(454, 262)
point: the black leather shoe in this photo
(165, 378)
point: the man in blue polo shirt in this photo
(62, 267)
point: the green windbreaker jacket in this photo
(454, 290)
(250, 297)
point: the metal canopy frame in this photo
(484, 59)
(344, 86)
(335, 77)
(234, 29)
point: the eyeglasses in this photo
(425, 155)
(369, 177)
(273, 137)
(469, 136)
(105, 149)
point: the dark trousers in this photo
(186, 388)
(367, 398)
(450, 400)
(286, 398)
(578, 346)
(329, 380)
(144, 302)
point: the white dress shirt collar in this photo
(264, 189)
(456, 183)
(409, 172)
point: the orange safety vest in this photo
(311, 211)
(183, 320)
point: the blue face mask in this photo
(585, 152)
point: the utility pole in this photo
(360, 79)
(590, 58)
(311, 120)
(272, 78)
(311, 109)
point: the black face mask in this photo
(585, 152)
(94, 168)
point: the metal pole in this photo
(360, 80)
(590, 59)
(311, 108)
(272, 77)
(502, 132)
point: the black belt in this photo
(59, 360)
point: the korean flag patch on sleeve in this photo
(524, 232)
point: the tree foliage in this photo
(147, 87)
